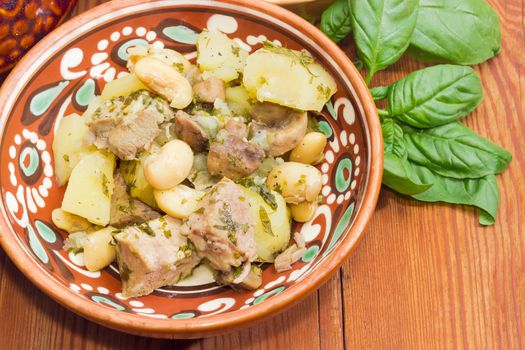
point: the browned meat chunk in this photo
(222, 230)
(231, 156)
(209, 90)
(153, 255)
(126, 126)
(125, 210)
(190, 132)
(292, 254)
(247, 277)
(283, 128)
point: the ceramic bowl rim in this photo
(212, 325)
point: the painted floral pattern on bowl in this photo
(65, 79)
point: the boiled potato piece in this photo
(92, 108)
(98, 251)
(90, 187)
(122, 87)
(289, 78)
(219, 55)
(272, 227)
(180, 201)
(69, 222)
(69, 145)
(139, 187)
(238, 100)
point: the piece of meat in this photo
(209, 90)
(126, 140)
(223, 229)
(292, 254)
(127, 126)
(245, 277)
(153, 255)
(126, 210)
(283, 128)
(191, 132)
(193, 75)
(237, 128)
(233, 157)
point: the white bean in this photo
(170, 166)
(296, 182)
(180, 201)
(69, 222)
(98, 251)
(304, 211)
(310, 150)
(165, 80)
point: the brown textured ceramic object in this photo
(24, 22)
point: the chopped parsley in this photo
(225, 216)
(125, 272)
(236, 50)
(323, 92)
(265, 220)
(145, 227)
(105, 185)
(263, 191)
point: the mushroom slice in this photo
(284, 128)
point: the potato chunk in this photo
(238, 100)
(68, 146)
(90, 187)
(272, 227)
(122, 87)
(289, 78)
(139, 187)
(219, 55)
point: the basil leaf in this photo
(482, 193)
(435, 95)
(336, 20)
(456, 151)
(398, 175)
(382, 30)
(393, 139)
(456, 31)
(379, 92)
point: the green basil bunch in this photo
(428, 153)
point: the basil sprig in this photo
(428, 154)
(336, 21)
(382, 31)
(456, 31)
(434, 96)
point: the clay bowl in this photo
(24, 22)
(61, 74)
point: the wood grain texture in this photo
(424, 276)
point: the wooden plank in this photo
(31, 320)
(428, 276)
(331, 327)
(294, 329)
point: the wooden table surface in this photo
(423, 277)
